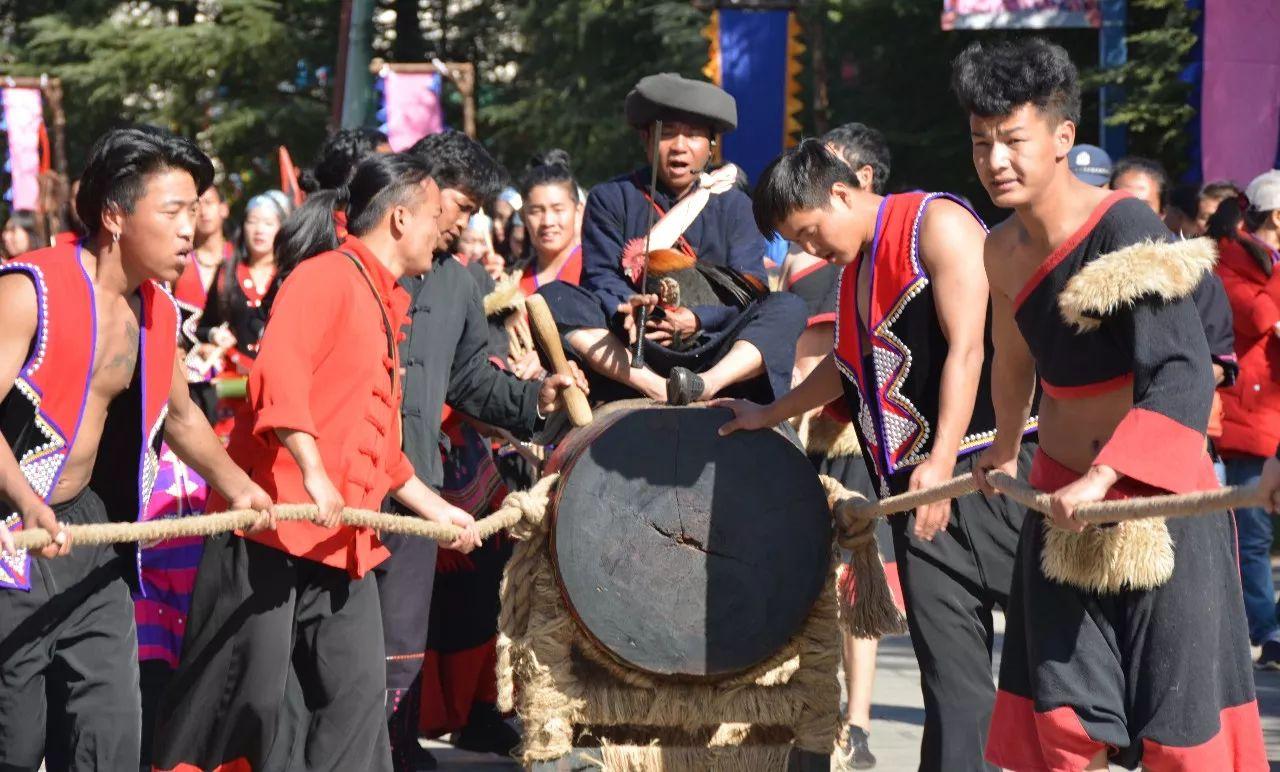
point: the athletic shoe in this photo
(1270, 658)
(856, 753)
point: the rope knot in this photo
(530, 507)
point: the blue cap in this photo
(1091, 164)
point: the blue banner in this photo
(754, 63)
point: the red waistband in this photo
(1087, 389)
(1048, 475)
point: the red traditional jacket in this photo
(40, 418)
(327, 369)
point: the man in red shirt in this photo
(285, 634)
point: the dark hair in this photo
(1225, 224)
(860, 145)
(799, 179)
(457, 161)
(379, 182)
(26, 220)
(1219, 189)
(338, 157)
(1147, 166)
(552, 167)
(120, 162)
(995, 78)
(240, 251)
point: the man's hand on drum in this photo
(663, 329)
(747, 416)
(1091, 487)
(628, 311)
(551, 395)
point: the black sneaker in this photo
(856, 753)
(1270, 657)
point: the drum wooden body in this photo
(683, 553)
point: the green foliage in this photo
(577, 61)
(223, 73)
(1154, 107)
(888, 65)
(552, 73)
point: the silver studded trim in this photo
(42, 297)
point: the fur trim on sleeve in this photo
(506, 297)
(1119, 279)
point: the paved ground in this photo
(897, 717)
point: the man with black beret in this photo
(737, 339)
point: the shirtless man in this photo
(1123, 645)
(909, 360)
(87, 356)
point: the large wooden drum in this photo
(683, 553)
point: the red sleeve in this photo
(401, 470)
(305, 320)
(1256, 306)
(1179, 466)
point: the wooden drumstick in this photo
(544, 329)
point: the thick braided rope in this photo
(221, 522)
(1121, 510)
(848, 510)
(1117, 511)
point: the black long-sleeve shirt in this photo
(445, 357)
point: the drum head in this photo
(683, 553)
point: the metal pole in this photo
(1112, 52)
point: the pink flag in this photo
(413, 109)
(23, 115)
(1240, 100)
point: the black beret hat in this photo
(670, 97)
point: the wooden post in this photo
(463, 75)
(340, 72)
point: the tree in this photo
(240, 76)
(577, 59)
(1155, 105)
(889, 66)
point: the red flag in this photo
(289, 178)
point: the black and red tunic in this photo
(40, 418)
(1149, 343)
(893, 388)
(1155, 677)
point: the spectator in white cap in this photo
(1247, 229)
(1091, 164)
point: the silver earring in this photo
(115, 237)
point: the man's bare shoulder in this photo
(949, 233)
(1004, 256)
(18, 306)
(944, 216)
